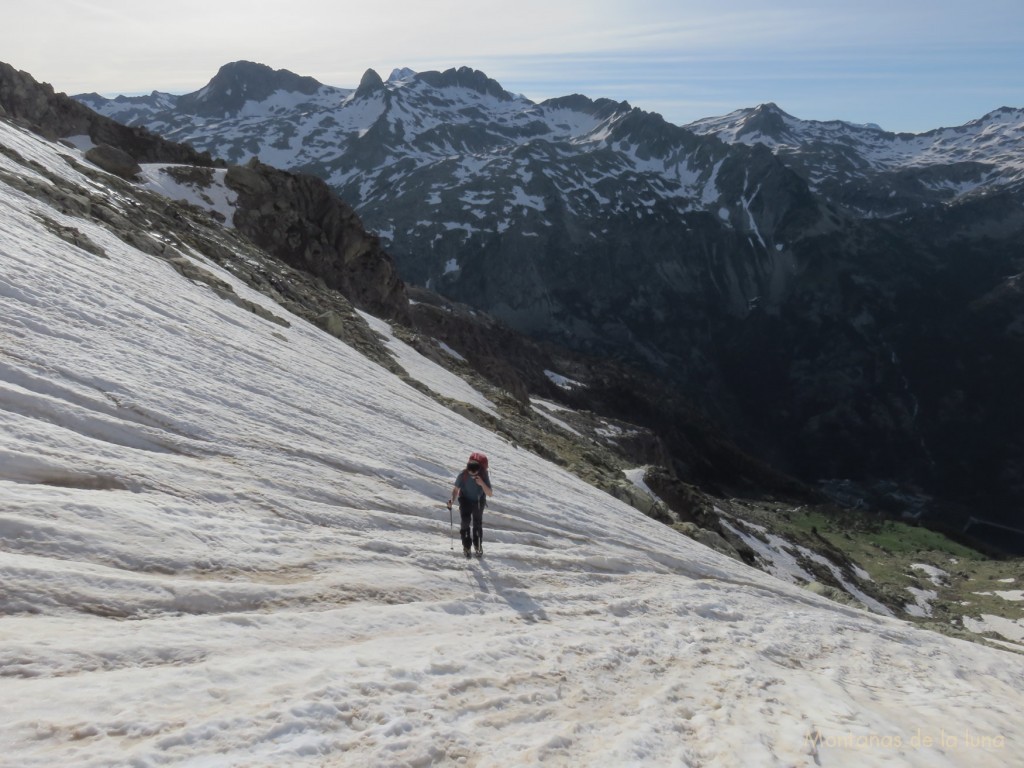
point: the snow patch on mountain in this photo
(636, 477)
(564, 382)
(993, 140)
(81, 141)
(937, 576)
(428, 372)
(1008, 628)
(784, 559)
(547, 409)
(190, 185)
(923, 599)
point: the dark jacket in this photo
(469, 491)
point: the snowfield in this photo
(223, 543)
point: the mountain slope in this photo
(223, 541)
(842, 300)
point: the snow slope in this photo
(222, 543)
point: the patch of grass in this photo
(906, 539)
(887, 551)
(850, 529)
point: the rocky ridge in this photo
(296, 218)
(56, 116)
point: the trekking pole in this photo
(451, 523)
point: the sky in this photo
(223, 543)
(907, 65)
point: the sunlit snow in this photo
(426, 371)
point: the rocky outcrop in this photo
(298, 219)
(56, 115)
(114, 160)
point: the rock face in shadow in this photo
(298, 219)
(114, 160)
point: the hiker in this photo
(472, 487)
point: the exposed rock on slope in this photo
(298, 219)
(56, 115)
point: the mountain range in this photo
(845, 301)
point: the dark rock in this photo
(370, 83)
(298, 219)
(114, 160)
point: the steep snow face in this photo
(222, 541)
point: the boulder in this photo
(114, 160)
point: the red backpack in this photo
(479, 458)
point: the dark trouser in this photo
(472, 514)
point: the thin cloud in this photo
(671, 56)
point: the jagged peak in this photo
(576, 101)
(771, 111)
(282, 79)
(995, 114)
(242, 65)
(767, 120)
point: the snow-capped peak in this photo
(400, 74)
